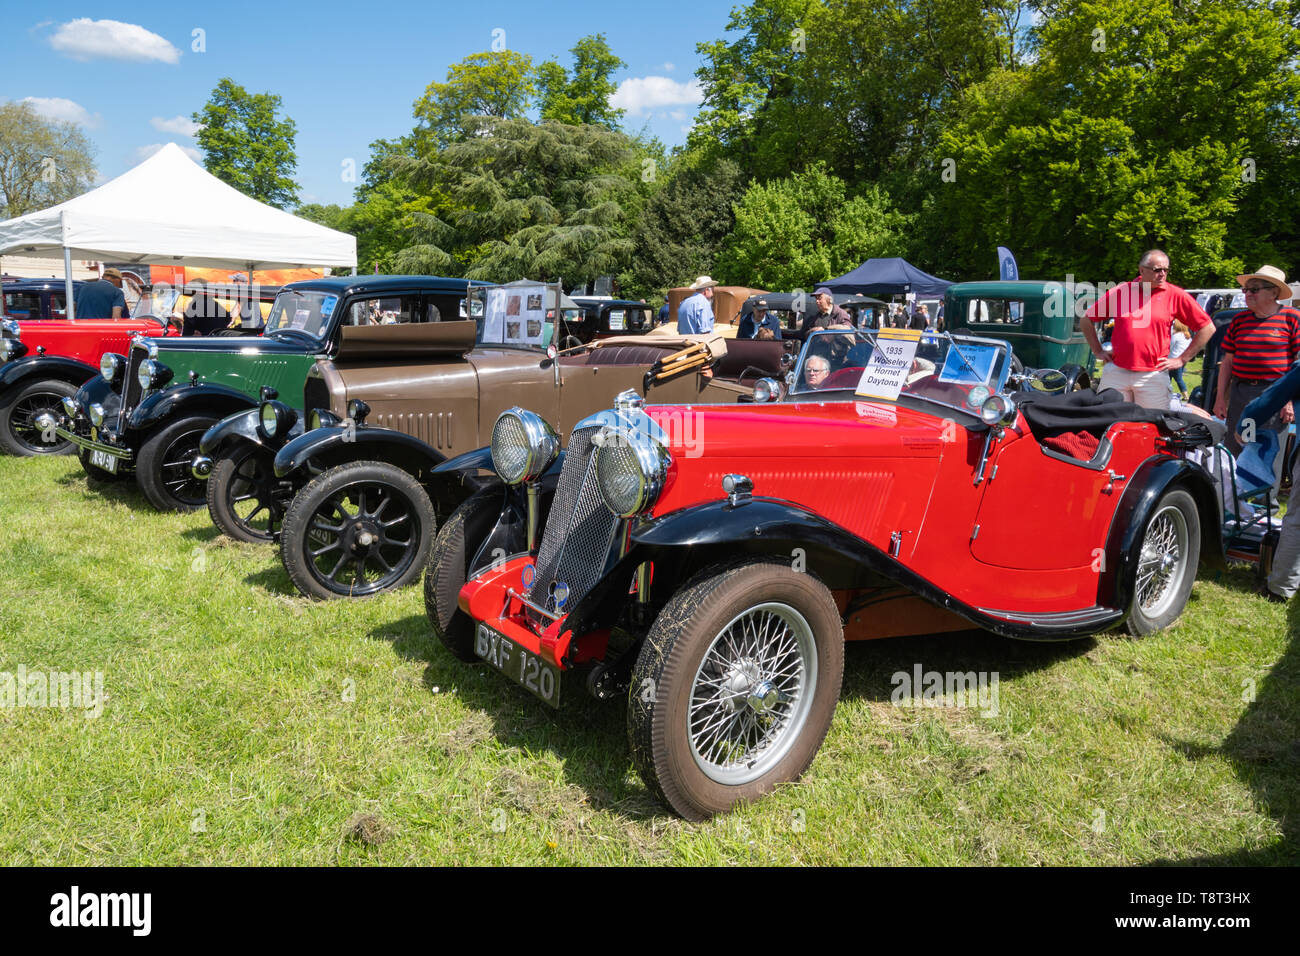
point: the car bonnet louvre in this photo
(579, 531)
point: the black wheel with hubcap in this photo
(357, 530)
(459, 539)
(735, 687)
(22, 429)
(1165, 566)
(163, 466)
(245, 499)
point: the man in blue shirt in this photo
(695, 315)
(1284, 579)
(760, 318)
(102, 298)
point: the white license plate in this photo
(519, 664)
(102, 459)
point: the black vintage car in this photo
(35, 298)
(600, 318)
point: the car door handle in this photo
(1110, 485)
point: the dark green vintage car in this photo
(146, 411)
(1040, 319)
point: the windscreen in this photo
(302, 311)
(892, 364)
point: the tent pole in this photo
(69, 299)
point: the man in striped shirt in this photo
(1261, 344)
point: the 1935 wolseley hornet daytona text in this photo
(897, 487)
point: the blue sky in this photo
(347, 72)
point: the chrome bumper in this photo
(81, 441)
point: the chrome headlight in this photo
(524, 445)
(630, 470)
(11, 349)
(998, 410)
(153, 374)
(321, 418)
(276, 418)
(96, 413)
(766, 390)
(111, 365)
(69, 406)
(12, 327)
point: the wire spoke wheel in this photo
(28, 415)
(748, 702)
(735, 686)
(176, 476)
(357, 530)
(1164, 565)
(163, 465)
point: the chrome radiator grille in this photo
(131, 391)
(579, 531)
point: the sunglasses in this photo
(1256, 289)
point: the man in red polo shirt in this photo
(1261, 344)
(1144, 310)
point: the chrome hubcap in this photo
(752, 693)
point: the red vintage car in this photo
(710, 561)
(43, 362)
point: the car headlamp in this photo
(69, 406)
(96, 414)
(766, 390)
(998, 410)
(524, 445)
(630, 470)
(153, 374)
(321, 418)
(11, 327)
(110, 366)
(11, 349)
(276, 418)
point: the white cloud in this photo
(678, 115)
(180, 125)
(144, 152)
(65, 111)
(87, 39)
(639, 94)
(668, 67)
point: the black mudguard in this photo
(336, 444)
(1152, 479)
(175, 401)
(242, 427)
(96, 389)
(45, 366)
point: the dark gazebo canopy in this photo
(888, 277)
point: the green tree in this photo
(42, 162)
(584, 96)
(794, 232)
(1128, 131)
(545, 200)
(684, 223)
(499, 84)
(246, 145)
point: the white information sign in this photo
(890, 364)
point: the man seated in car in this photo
(204, 315)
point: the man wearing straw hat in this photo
(1261, 344)
(102, 298)
(695, 314)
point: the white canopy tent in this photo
(169, 209)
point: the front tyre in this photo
(357, 530)
(20, 434)
(163, 467)
(245, 499)
(1165, 566)
(453, 550)
(735, 687)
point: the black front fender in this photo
(95, 389)
(45, 366)
(176, 400)
(242, 427)
(335, 444)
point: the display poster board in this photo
(515, 315)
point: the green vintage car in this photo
(1040, 319)
(145, 412)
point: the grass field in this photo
(244, 724)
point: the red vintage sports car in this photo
(710, 561)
